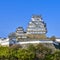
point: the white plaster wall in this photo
(4, 42)
(34, 42)
(58, 40)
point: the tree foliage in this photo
(38, 52)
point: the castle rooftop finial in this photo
(36, 16)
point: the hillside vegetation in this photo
(39, 52)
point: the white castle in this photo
(35, 33)
(36, 30)
(4, 41)
(36, 26)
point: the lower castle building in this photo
(20, 34)
(4, 41)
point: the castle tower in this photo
(36, 27)
(20, 33)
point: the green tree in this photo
(42, 51)
(53, 38)
(24, 54)
(4, 52)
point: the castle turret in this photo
(36, 27)
(20, 33)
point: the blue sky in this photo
(14, 13)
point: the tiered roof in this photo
(36, 25)
(20, 32)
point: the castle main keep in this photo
(36, 30)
